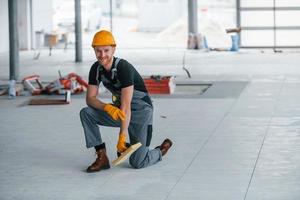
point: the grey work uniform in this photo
(121, 75)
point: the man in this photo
(131, 110)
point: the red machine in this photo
(160, 84)
(72, 82)
(33, 84)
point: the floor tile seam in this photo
(202, 147)
(264, 138)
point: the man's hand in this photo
(114, 112)
(121, 146)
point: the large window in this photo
(269, 23)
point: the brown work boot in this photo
(165, 146)
(101, 162)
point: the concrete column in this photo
(13, 40)
(238, 18)
(4, 41)
(193, 36)
(111, 15)
(78, 35)
(192, 16)
(24, 24)
(32, 36)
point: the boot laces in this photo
(99, 154)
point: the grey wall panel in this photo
(257, 18)
(252, 38)
(288, 38)
(269, 23)
(288, 3)
(256, 3)
(288, 18)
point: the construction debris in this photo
(12, 89)
(233, 30)
(67, 100)
(72, 82)
(156, 84)
(33, 84)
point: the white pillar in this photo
(4, 39)
(24, 24)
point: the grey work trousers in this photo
(91, 118)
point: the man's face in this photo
(104, 55)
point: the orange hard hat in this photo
(103, 38)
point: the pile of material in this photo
(72, 82)
(160, 84)
(31, 85)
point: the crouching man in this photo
(131, 110)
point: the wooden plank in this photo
(48, 102)
(52, 101)
(126, 154)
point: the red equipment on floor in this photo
(160, 84)
(72, 82)
(33, 84)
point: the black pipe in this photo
(13, 40)
(78, 32)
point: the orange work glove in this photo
(121, 146)
(114, 112)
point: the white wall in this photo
(42, 16)
(24, 24)
(4, 39)
(42, 20)
(155, 15)
(265, 18)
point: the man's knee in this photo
(83, 112)
(136, 163)
(138, 159)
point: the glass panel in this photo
(287, 3)
(257, 38)
(216, 3)
(288, 18)
(287, 38)
(256, 3)
(270, 3)
(257, 18)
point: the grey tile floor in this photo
(239, 143)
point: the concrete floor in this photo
(238, 141)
